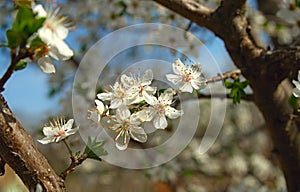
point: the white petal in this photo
(39, 10)
(297, 84)
(198, 83)
(61, 31)
(46, 140)
(146, 114)
(299, 75)
(149, 89)
(160, 122)
(138, 134)
(123, 113)
(72, 131)
(186, 87)
(127, 81)
(48, 131)
(195, 70)
(100, 106)
(68, 125)
(175, 79)
(147, 77)
(46, 35)
(173, 113)
(166, 97)
(178, 67)
(105, 96)
(115, 103)
(150, 99)
(60, 51)
(46, 64)
(296, 92)
(122, 146)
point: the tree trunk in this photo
(18, 151)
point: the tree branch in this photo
(19, 152)
(75, 161)
(229, 74)
(265, 71)
(14, 61)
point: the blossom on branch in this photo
(187, 78)
(127, 126)
(138, 86)
(53, 32)
(58, 130)
(119, 96)
(160, 109)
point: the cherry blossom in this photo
(52, 33)
(118, 96)
(160, 109)
(187, 78)
(138, 86)
(58, 130)
(127, 126)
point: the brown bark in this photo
(19, 152)
(264, 69)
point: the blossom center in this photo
(60, 133)
(141, 89)
(186, 77)
(159, 108)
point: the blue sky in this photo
(27, 90)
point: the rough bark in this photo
(19, 152)
(264, 69)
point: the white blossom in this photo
(296, 91)
(58, 130)
(159, 109)
(52, 33)
(187, 78)
(119, 96)
(138, 86)
(127, 126)
(96, 113)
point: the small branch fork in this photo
(75, 161)
(14, 61)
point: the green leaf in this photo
(297, 3)
(94, 149)
(237, 89)
(21, 65)
(293, 101)
(228, 84)
(25, 25)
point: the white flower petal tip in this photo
(58, 130)
(187, 78)
(52, 33)
(127, 126)
(296, 90)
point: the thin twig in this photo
(75, 161)
(2, 166)
(248, 97)
(68, 147)
(229, 74)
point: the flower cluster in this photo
(132, 101)
(52, 33)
